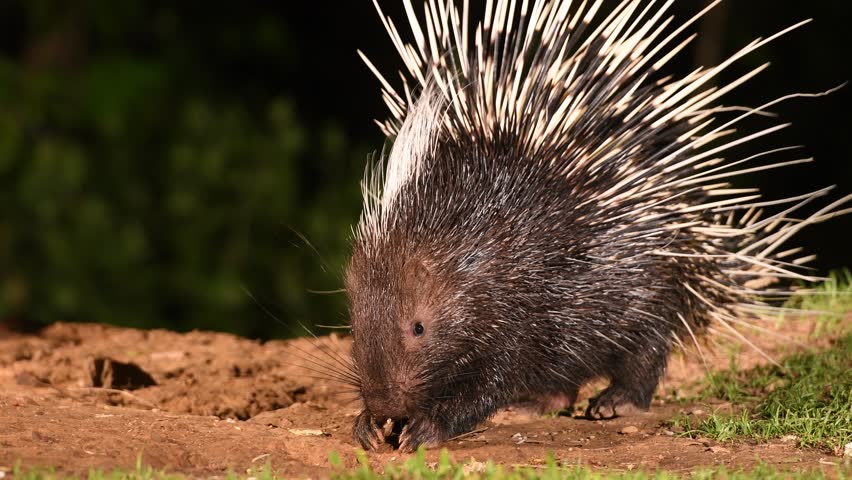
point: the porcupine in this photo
(550, 212)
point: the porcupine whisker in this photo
(355, 392)
(347, 403)
(339, 365)
(337, 383)
(342, 361)
(323, 264)
(322, 375)
(346, 391)
(343, 370)
(344, 374)
(322, 367)
(323, 370)
(331, 372)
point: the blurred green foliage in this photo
(134, 195)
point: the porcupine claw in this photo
(612, 403)
(419, 431)
(368, 433)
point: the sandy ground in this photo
(78, 396)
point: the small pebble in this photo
(628, 430)
(718, 450)
(473, 467)
(307, 432)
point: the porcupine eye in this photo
(418, 329)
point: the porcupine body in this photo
(550, 213)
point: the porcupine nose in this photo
(393, 401)
(398, 401)
(403, 403)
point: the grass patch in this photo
(139, 472)
(809, 396)
(416, 467)
(831, 300)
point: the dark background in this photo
(162, 163)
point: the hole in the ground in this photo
(393, 430)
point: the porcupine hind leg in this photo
(547, 403)
(632, 385)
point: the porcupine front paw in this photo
(367, 431)
(615, 402)
(421, 430)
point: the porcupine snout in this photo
(397, 400)
(392, 393)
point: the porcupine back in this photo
(554, 212)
